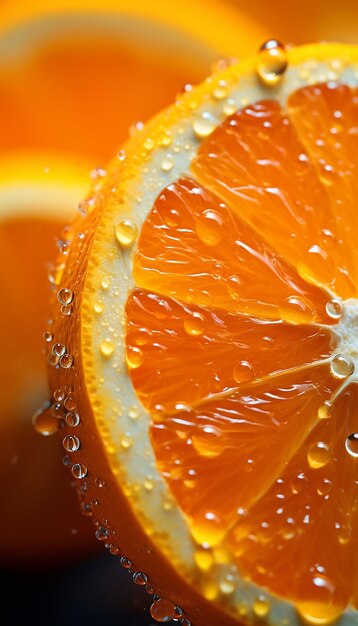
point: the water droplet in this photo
(352, 445)
(230, 107)
(66, 309)
(107, 348)
(72, 419)
(194, 324)
(97, 172)
(167, 163)
(105, 282)
(126, 563)
(121, 155)
(126, 442)
(208, 528)
(325, 410)
(79, 471)
(56, 410)
(319, 455)
(126, 232)
(139, 578)
(243, 372)
(210, 228)
(48, 337)
(162, 610)
(341, 366)
(58, 349)
(58, 395)
(227, 586)
(52, 359)
(66, 361)
(204, 125)
(324, 487)
(70, 402)
(204, 559)
(102, 533)
(261, 606)
(98, 307)
(134, 412)
(271, 62)
(220, 90)
(71, 443)
(334, 308)
(65, 296)
(134, 357)
(44, 422)
(207, 441)
(114, 549)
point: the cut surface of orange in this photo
(212, 350)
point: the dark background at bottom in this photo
(95, 592)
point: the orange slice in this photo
(37, 196)
(210, 360)
(72, 74)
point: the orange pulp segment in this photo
(230, 337)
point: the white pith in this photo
(110, 379)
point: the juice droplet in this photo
(58, 349)
(261, 606)
(208, 528)
(162, 610)
(65, 296)
(139, 578)
(71, 443)
(209, 228)
(352, 445)
(341, 366)
(243, 372)
(271, 62)
(44, 422)
(204, 559)
(72, 419)
(325, 410)
(318, 455)
(66, 361)
(126, 232)
(79, 471)
(207, 441)
(204, 125)
(134, 357)
(334, 308)
(107, 348)
(194, 324)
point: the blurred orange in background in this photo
(73, 76)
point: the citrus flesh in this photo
(223, 260)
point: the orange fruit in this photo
(72, 72)
(210, 359)
(37, 196)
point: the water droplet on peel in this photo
(334, 308)
(319, 455)
(66, 361)
(126, 563)
(52, 359)
(105, 282)
(352, 445)
(209, 227)
(230, 107)
(208, 528)
(98, 307)
(58, 395)
(107, 348)
(126, 232)
(261, 606)
(207, 441)
(341, 366)
(65, 296)
(204, 125)
(72, 419)
(71, 443)
(134, 357)
(66, 309)
(139, 578)
(325, 410)
(58, 349)
(79, 471)
(220, 90)
(44, 422)
(56, 410)
(243, 372)
(271, 62)
(194, 324)
(102, 533)
(48, 337)
(162, 610)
